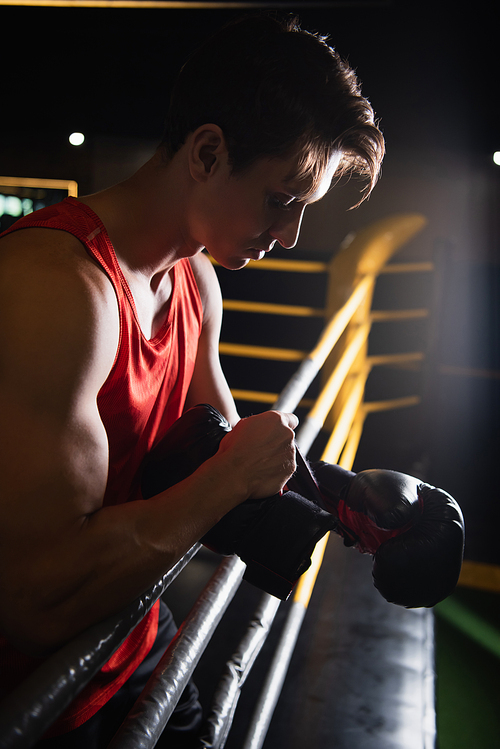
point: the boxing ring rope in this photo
(345, 437)
(148, 718)
(226, 698)
(30, 709)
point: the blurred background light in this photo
(11, 206)
(76, 139)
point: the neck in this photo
(145, 217)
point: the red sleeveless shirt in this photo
(143, 395)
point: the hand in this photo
(274, 534)
(261, 451)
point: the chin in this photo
(231, 263)
(236, 263)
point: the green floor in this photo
(468, 671)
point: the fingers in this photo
(291, 420)
(262, 450)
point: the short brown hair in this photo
(273, 87)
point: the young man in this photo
(111, 323)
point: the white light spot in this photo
(496, 157)
(27, 206)
(76, 139)
(12, 206)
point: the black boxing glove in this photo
(274, 536)
(415, 531)
(188, 443)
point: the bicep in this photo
(208, 383)
(54, 471)
(54, 358)
(54, 475)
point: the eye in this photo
(281, 202)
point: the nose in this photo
(286, 229)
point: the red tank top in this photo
(142, 396)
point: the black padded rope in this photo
(227, 694)
(148, 717)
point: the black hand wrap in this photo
(275, 536)
(415, 531)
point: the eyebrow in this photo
(304, 194)
(297, 193)
(310, 194)
(307, 196)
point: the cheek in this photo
(236, 218)
(231, 213)
(211, 217)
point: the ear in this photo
(207, 152)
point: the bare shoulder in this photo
(57, 304)
(208, 286)
(48, 251)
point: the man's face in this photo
(242, 216)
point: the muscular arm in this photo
(65, 560)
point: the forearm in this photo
(67, 562)
(106, 560)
